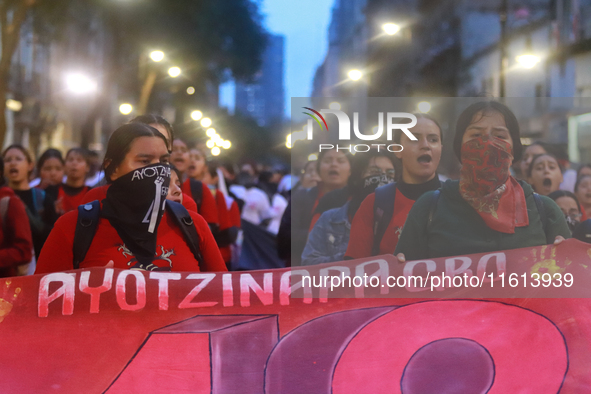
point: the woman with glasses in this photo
(328, 240)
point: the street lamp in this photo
(190, 90)
(335, 105)
(206, 122)
(528, 60)
(355, 75)
(80, 84)
(424, 106)
(174, 72)
(215, 151)
(125, 108)
(196, 115)
(227, 144)
(157, 56)
(210, 144)
(211, 132)
(390, 28)
(312, 157)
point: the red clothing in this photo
(68, 202)
(16, 244)
(225, 222)
(361, 236)
(100, 193)
(235, 214)
(171, 250)
(208, 205)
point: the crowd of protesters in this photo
(158, 202)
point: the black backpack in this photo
(196, 192)
(89, 215)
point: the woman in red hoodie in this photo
(16, 245)
(134, 231)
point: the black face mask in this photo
(134, 206)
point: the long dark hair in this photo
(156, 119)
(50, 153)
(120, 144)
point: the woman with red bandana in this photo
(487, 209)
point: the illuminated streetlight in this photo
(227, 144)
(157, 56)
(390, 28)
(355, 75)
(80, 84)
(174, 72)
(196, 115)
(14, 105)
(288, 141)
(210, 144)
(125, 108)
(312, 157)
(219, 142)
(211, 132)
(528, 61)
(206, 122)
(215, 151)
(424, 106)
(334, 105)
(190, 90)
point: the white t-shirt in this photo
(256, 206)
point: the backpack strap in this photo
(4, 202)
(383, 210)
(88, 218)
(38, 199)
(543, 216)
(196, 192)
(183, 219)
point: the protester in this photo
(40, 206)
(583, 193)
(373, 235)
(569, 205)
(16, 244)
(544, 174)
(309, 177)
(584, 169)
(160, 124)
(334, 169)
(228, 213)
(329, 238)
(487, 209)
(50, 168)
(71, 193)
(180, 157)
(133, 231)
(536, 148)
(198, 191)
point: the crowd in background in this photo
(246, 215)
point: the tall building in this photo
(263, 99)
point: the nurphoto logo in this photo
(392, 123)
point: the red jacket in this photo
(208, 205)
(16, 245)
(107, 248)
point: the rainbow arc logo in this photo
(316, 117)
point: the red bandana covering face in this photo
(486, 184)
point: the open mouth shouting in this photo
(425, 159)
